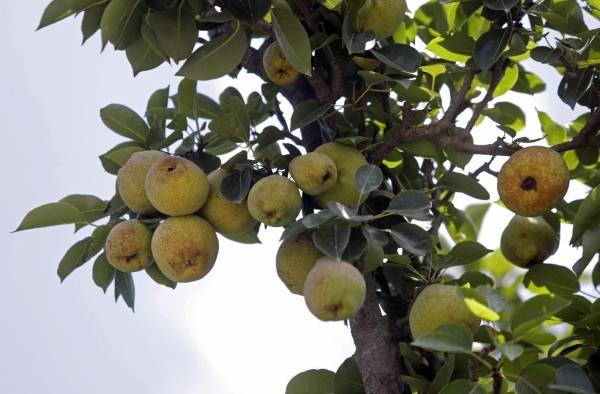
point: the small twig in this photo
(284, 125)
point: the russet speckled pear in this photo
(383, 17)
(127, 246)
(278, 69)
(274, 201)
(438, 305)
(533, 181)
(228, 218)
(527, 241)
(334, 290)
(347, 161)
(295, 258)
(314, 173)
(131, 177)
(176, 186)
(185, 248)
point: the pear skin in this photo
(533, 181)
(127, 246)
(527, 241)
(131, 177)
(278, 69)
(438, 305)
(383, 17)
(228, 218)
(176, 186)
(274, 201)
(334, 290)
(347, 161)
(185, 248)
(314, 173)
(295, 258)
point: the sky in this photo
(238, 330)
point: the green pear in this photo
(185, 248)
(228, 218)
(438, 305)
(295, 258)
(383, 17)
(176, 186)
(314, 173)
(347, 161)
(334, 290)
(274, 201)
(131, 177)
(127, 246)
(527, 241)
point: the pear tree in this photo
(399, 111)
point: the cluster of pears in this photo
(532, 182)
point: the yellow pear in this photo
(277, 67)
(347, 161)
(227, 217)
(185, 248)
(383, 17)
(127, 246)
(527, 241)
(274, 201)
(131, 177)
(533, 181)
(314, 173)
(438, 305)
(295, 258)
(334, 290)
(176, 186)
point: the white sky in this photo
(237, 331)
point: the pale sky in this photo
(236, 331)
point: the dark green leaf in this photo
(413, 204)
(121, 22)
(332, 239)
(500, 5)
(124, 121)
(572, 379)
(443, 376)
(235, 186)
(490, 46)
(250, 11)
(91, 20)
(142, 56)
(91, 207)
(591, 245)
(558, 279)
(534, 311)
(75, 257)
(103, 273)
(546, 55)
(466, 252)
(292, 38)
(61, 9)
(574, 85)
(124, 287)
(175, 31)
(462, 386)
(507, 114)
(448, 338)
(400, 57)
(348, 379)
(588, 214)
(412, 238)
(313, 381)
(464, 184)
(307, 112)
(154, 272)
(368, 178)
(52, 214)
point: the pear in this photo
(383, 17)
(176, 186)
(278, 69)
(274, 201)
(533, 181)
(347, 161)
(185, 248)
(314, 173)
(127, 246)
(295, 258)
(228, 218)
(438, 305)
(131, 177)
(527, 241)
(334, 290)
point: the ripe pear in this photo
(334, 290)
(127, 246)
(185, 248)
(295, 258)
(533, 181)
(438, 305)
(176, 186)
(347, 161)
(131, 177)
(314, 173)
(383, 17)
(277, 67)
(274, 201)
(228, 218)
(527, 241)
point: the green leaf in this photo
(218, 57)
(556, 278)
(250, 11)
(249, 237)
(510, 351)
(235, 186)
(476, 305)
(462, 386)
(455, 48)
(125, 288)
(373, 78)
(572, 379)
(103, 273)
(412, 238)
(500, 5)
(464, 184)
(534, 311)
(75, 257)
(157, 276)
(91, 20)
(413, 204)
(61, 9)
(443, 376)
(348, 379)
(98, 239)
(400, 57)
(506, 114)
(555, 133)
(121, 22)
(450, 338)
(545, 55)
(591, 245)
(175, 31)
(466, 252)
(52, 214)
(528, 83)
(368, 178)
(124, 121)
(313, 381)
(307, 112)
(574, 85)
(292, 38)
(588, 214)
(143, 57)
(91, 207)
(490, 46)
(115, 158)
(332, 239)
(193, 104)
